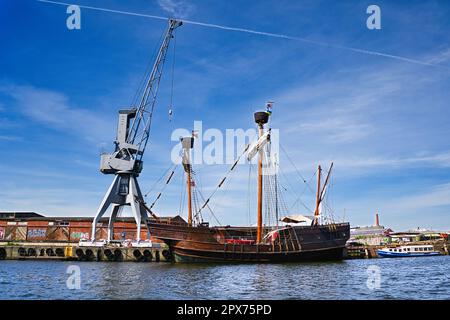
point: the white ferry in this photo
(408, 251)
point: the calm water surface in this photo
(404, 278)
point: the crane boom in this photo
(125, 162)
(140, 129)
(133, 130)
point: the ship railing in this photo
(283, 239)
(167, 221)
(247, 238)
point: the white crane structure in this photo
(126, 162)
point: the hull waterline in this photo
(294, 244)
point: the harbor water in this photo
(403, 278)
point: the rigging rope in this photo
(249, 193)
(159, 179)
(182, 197)
(299, 196)
(209, 208)
(170, 111)
(142, 82)
(297, 171)
(169, 178)
(226, 175)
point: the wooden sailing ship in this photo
(198, 242)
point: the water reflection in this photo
(408, 278)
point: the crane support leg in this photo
(132, 198)
(124, 191)
(115, 211)
(111, 196)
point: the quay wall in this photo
(64, 230)
(71, 252)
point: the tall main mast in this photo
(261, 118)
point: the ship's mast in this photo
(261, 118)
(321, 191)
(188, 143)
(316, 212)
(260, 185)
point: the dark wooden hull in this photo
(183, 254)
(294, 244)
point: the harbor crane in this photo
(125, 163)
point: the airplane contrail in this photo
(261, 33)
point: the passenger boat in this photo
(408, 251)
(198, 242)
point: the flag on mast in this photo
(269, 107)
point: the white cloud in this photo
(366, 119)
(437, 160)
(339, 109)
(50, 201)
(177, 8)
(442, 56)
(425, 206)
(435, 196)
(54, 110)
(9, 138)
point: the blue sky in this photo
(383, 121)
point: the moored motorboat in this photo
(408, 251)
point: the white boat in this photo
(408, 251)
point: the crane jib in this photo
(139, 132)
(133, 129)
